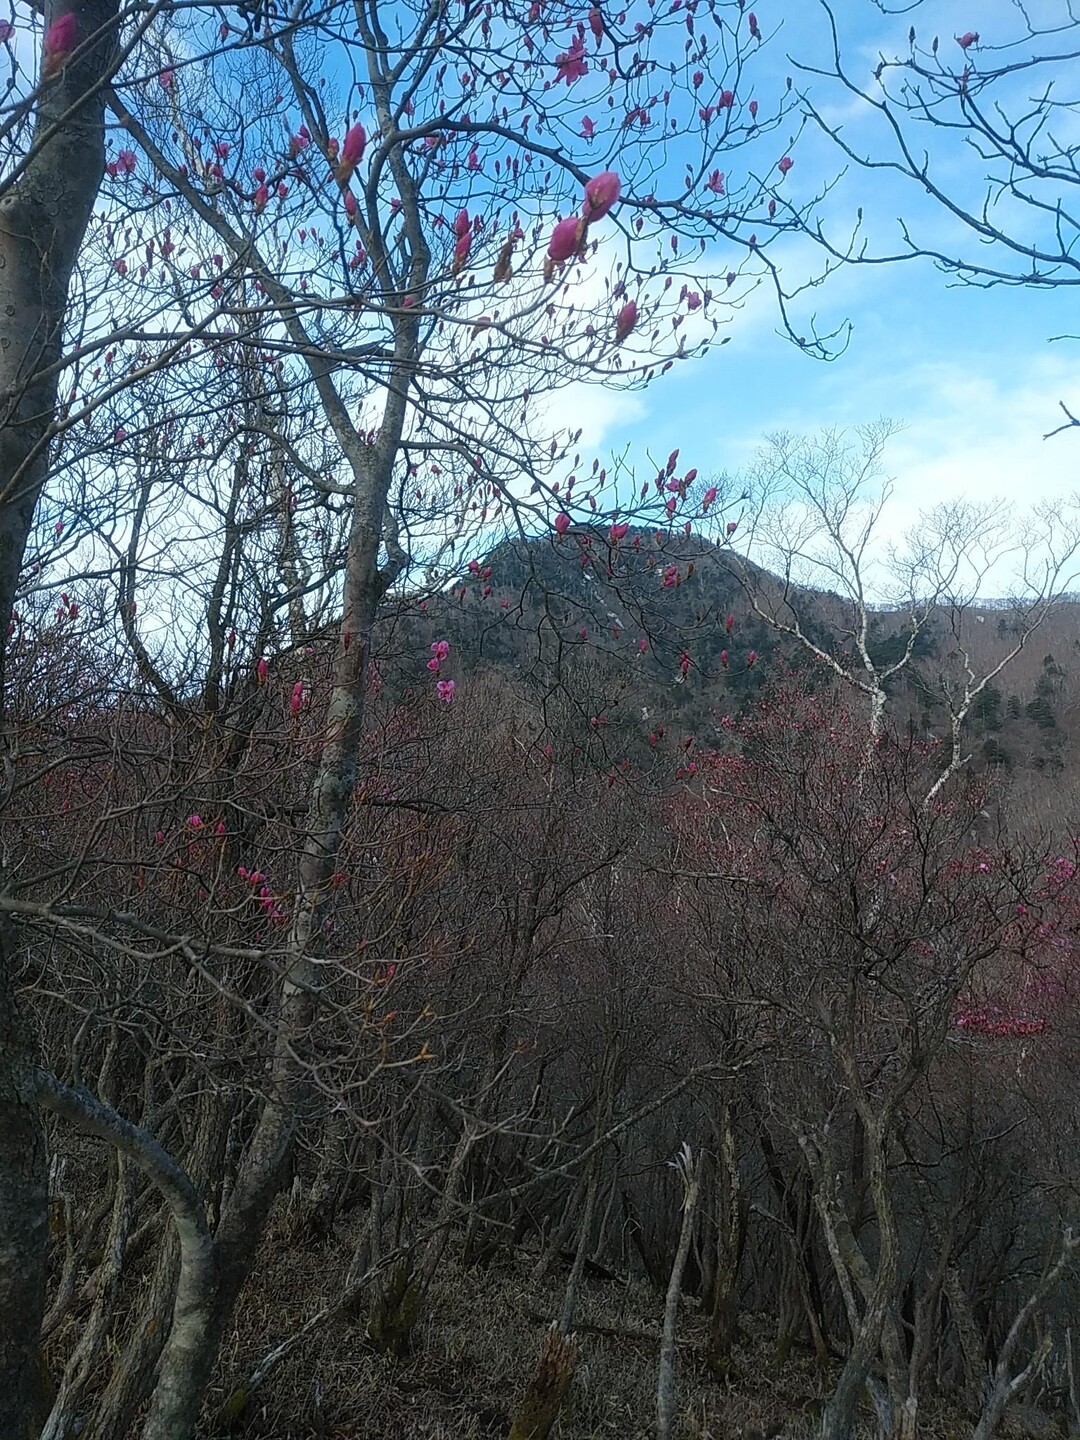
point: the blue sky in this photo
(969, 372)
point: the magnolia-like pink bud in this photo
(352, 150)
(565, 239)
(601, 193)
(60, 40)
(625, 321)
(562, 522)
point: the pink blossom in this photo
(565, 239)
(732, 526)
(708, 498)
(445, 691)
(562, 522)
(618, 532)
(165, 79)
(750, 658)
(625, 321)
(262, 669)
(350, 204)
(262, 197)
(969, 37)
(588, 128)
(440, 649)
(596, 23)
(7, 30)
(352, 150)
(195, 822)
(160, 837)
(753, 108)
(433, 665)
(723, 659)
(729, 624)
(572, 65)
(785, 164)
(601, 193)
(715, 182)
(725, 100)
(60, 40)
(755, 31)
(296, 699)
(642, 646)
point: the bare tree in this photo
(817, 531)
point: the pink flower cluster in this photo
(568, 238)
(984, 1020)
(263, 896)
(440, 651)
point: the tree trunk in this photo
(723, 1319)
(44, 212)
(193, 1342)
(665, 1387)
(23, 1213)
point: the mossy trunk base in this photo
(395, 1313)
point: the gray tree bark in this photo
(44, 210)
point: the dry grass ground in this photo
(476, 1347)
